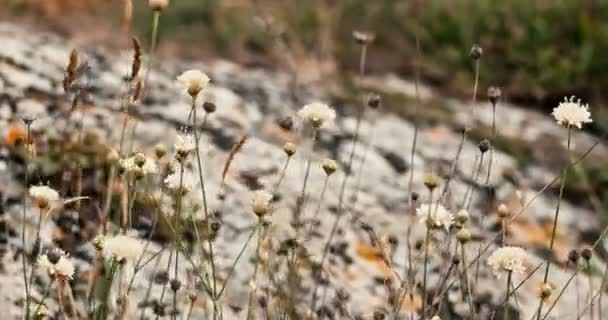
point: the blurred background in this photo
(537, 50)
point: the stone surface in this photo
(249, 102)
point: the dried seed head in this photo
(158, 5)
(209, 107)
(193, 296)
(71, 70)
(363, 38)
(463, 235)
(586, 253)
(175, 285)
(289, 148)
(161, 277)
(431, 182)
(286, 123)
(476, 52)
(494, 94)
(374, 100)
(329, 166)
(455, 260)
(160, 150)
(503, 211)
(484, 146)
(573, 256)
(379, 314)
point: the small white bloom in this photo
(260, 202)
(63, 268)
(510, 259)
(193, 82)
(572, 113)
(158, 4)
(439, 216)
(317, 114)
(122, 247)
(43, 196)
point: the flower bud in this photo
(586, 253)
(462, 217)
(494, 94)
(329, 166)
(503, 211)
(158, 5)
(374, 100)
(544, 291)
(113, 157)
(464, 235)
(289, 148)
(573, 256)
(476, 52)
(484, 146)
(139, 159)
(175, 285)
(363, 38)
(286, 123)
(160, 150)
(209, 107)
(431, 182)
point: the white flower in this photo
(175, 180)
(317, 114)
(63, 267)
(511, 259)
(260, 202)
(158, 4)
(139, 166)
(439, 216)
(122, 247)
(572, 113)
(193, 82)
(43, 196)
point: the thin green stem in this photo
(555, 218)
(426, 253)
(216, 307)
(255, 274)
(238, 257)
(506, 305)
(301, 201)
(24, 222)
(467, 279)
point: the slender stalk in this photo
(506, 305)
(301, 201)
(410, 182)
(467, 284)
(426, 253)
(255, 274)
(318, 209)
(562, 291)
(238, 257)
(216, 306)
(23, 222)
(601, 289)
(162, 292)
(46, 293)
(554, 230)
(590, 293)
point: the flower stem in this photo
(255, 274)
(23, 222)
(506, 305)
(216, 307)
(555, 218)
(426, 253)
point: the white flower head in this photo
(193, 82)
(438, 214)
(510, 259)
(158, 4)
(122, 247)
(149, 168)
(59, 265)
(260, 202)
(138, 166)
(572, 113)
(43, 196)
(317, 114)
